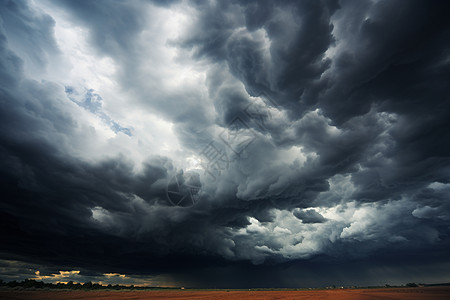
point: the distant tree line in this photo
(33, 284)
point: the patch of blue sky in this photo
(92, 102)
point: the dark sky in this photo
(225, 143)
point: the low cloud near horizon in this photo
(225, 143)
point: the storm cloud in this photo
(309, 138)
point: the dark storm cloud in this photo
(299, 34)
(50, 199)
(353, 159)
(309, 216)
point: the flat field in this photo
(428, 293)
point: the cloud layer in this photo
(317, 134)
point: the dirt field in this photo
(429, 293)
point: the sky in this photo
(225, 144)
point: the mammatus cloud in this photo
(310, 134)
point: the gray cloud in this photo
(309, 216)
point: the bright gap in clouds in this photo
(85, 69)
